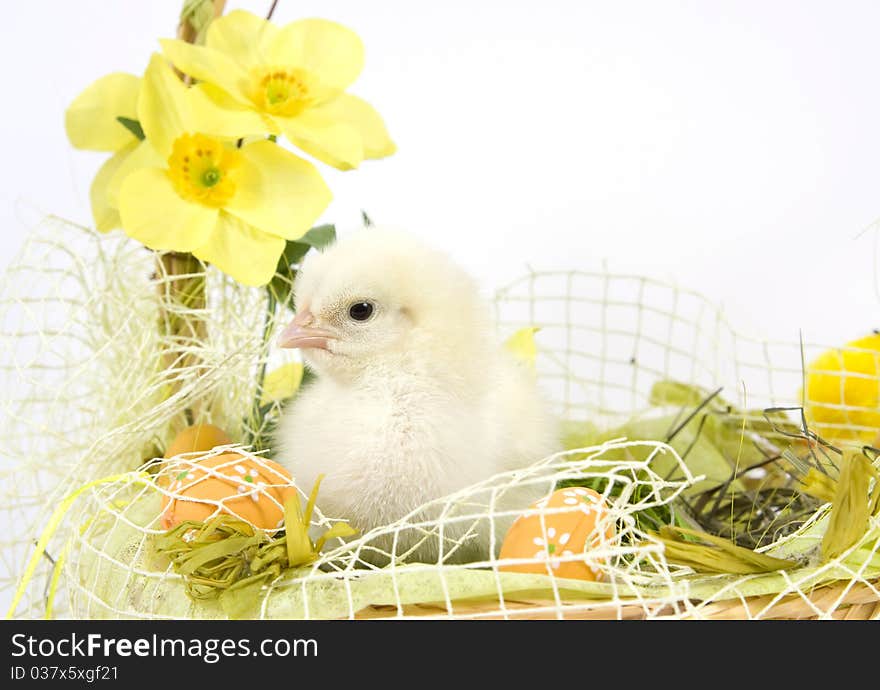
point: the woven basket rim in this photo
(841, 600)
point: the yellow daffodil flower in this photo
(189, 188)
(91, 124)
(294, 76)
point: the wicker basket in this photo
(605, 341)
(841, 601)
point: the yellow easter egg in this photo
(842, 393)
(230, 483)
(199, 437)
(575, 519)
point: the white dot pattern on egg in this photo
(223, 484)
(563, 527)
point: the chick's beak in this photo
(299, 333)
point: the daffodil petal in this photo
(241, 251)
(220, 97)
(143, 155)
(522, 345)
(162, 106)
(223, 119)
(278, 192)
(91, 121)
(241, 36)
(363, 118)
(208, 65)
(331, 142)
(155, 215)
(106, 216)
(330, 51)
(282, 383)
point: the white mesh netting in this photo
(88, 402)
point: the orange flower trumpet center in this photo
(202, 169)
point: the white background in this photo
(732, 146)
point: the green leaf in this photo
(281, 284)
(294, 251)
(293, 254)
(319, 236)
(133, 126)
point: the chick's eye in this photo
(360, 311)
